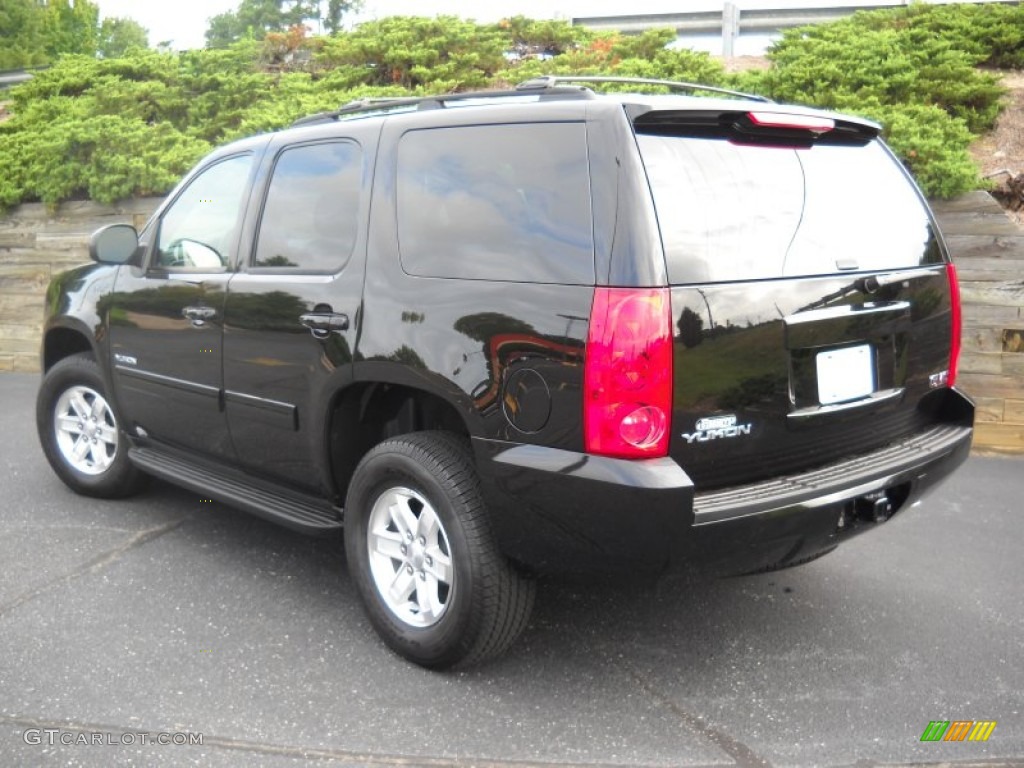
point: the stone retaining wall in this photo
(37, 243)
(988, 249)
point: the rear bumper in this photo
(796, 518)
(562, 511)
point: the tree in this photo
(224, 29)
(20, 28)
(264, 16)
(256, 18)
(70, 27)
(335, 10)
(37, 32)
(691, 328)
(118, 35)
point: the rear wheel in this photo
(421, 552)
(79, 431)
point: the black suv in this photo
(498, 334)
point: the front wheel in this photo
(421, 553)
(79, 431)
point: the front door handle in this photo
(322, 324)
(199, 315)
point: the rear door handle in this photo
(322, 324)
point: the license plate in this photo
(845, 374)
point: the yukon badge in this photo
(715, 427)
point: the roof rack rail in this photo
(545, 87)
(381, 104)
(545, 82)
(384, 104)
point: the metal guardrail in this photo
(12, 77)
(732, 21)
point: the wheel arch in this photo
(368, 411)
(64, 340)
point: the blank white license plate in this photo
(845, 374)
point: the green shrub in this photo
(112, 128)
(932, 145)
(992, 32)
(644, 55)
(441, 54)
(915, 70)
(829, 64)
(103, 157)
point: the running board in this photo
(298, 511)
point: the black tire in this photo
(104, 470)
(485, 605)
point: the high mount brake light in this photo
(956, 317)
(792, 122)
(628, 373)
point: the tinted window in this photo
(735, 212)
(311, 215)
(506, 202)
(199, 229)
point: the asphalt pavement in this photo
(164, 617)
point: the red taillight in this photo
(627, 378)
(956, 316)
(797, 122)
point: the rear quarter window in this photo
(496, 202)
(730, 212)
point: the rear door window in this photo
(496, 202)
(729, 211)
(310, 218)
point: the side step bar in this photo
(298, 511)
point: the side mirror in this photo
(114, 244)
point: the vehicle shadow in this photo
(619, 616)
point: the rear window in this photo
(731, 212)
(496, 202)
